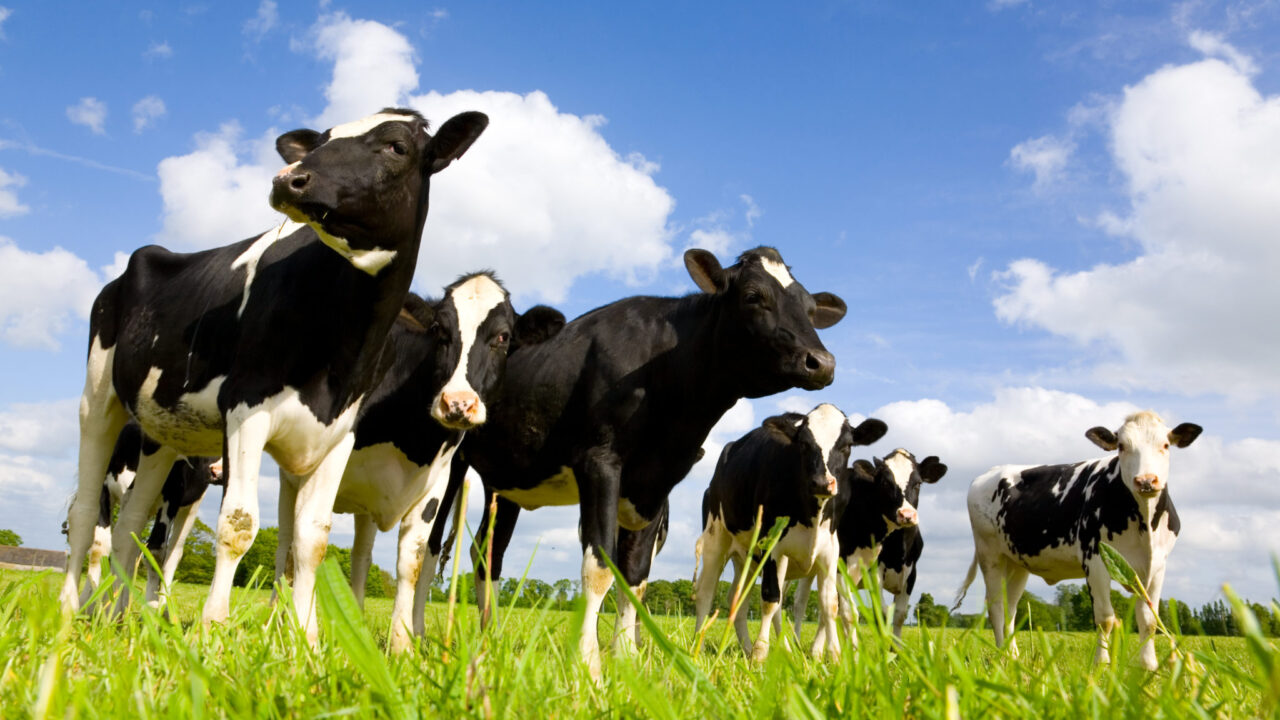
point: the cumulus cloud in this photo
(40, 293)
(257, 27)
(146, 111)
(1045, 156)
(9, 203)
(373, 67)
(158, 50)
(1197, 146)
(48, 429)
(89, 112)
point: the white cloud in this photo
(1214, 45)
(1045, 156)
(4, 15)
(160, 50)
(90, 112)
(373, 67)
(998, 5)
(10, 206)
(218, 193)
(146, 111)
(1197, 146)
(40, 293)
(753, 211)
(49, 429)
(259, 25)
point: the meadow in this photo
(258, 665)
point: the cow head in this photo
(363, 186)
(1144, 441)
(819, 444)
(475, 329)
(892, 485)
(768, 321)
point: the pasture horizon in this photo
(1041, 218)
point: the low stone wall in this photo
(31, 558)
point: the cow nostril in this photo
(812, 363)
(298, 182)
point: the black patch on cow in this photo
(429, 512)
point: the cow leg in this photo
(490, 571)
(598, 485)
(993, 577)
(1104, 615)
(635, 560)
(411, 551)
(828, 608)
(362, 555)
(101, 546)
(285, 510)
(137, 506)
(901, 605)
(740, 620)
(436, 542)
(101, 418)
(1015, 583)
(246, 436)
(710, 553)
(312, 520)
(773, 577)
(800, 608)
(170, 554)
(1147, 620)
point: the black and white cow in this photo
(174, 513)
(612, 412)
(270, 343)
(1049, 520)
(450, 358)
(789, 467)
(878, 515)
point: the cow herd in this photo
(305, 342)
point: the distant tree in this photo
(929, 613)
(9, 537)
(198, 556)
(1041, 615)
(1076, 606)
(1265, 619)
(1186, 621)
(260, 558)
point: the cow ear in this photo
(705, 270)
(295, 144)
(862, 470)
(830, 310)
(932, 470)
(1185, 434)
(454, 138)
(417, 313)
(1103, 438)
(536, 325)
(783, 427)
(869, 431)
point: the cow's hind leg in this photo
(710, 554)
(247, 433)
(313, 519)
(1015, 583)
(135, 509)
(1104, 615)
(169, 555)
(362, 554)
(800, 608)
(101, 419)
(100, 548)
(1147, 621)
(993, 577)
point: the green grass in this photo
(257, 665)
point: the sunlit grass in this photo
(258, 665)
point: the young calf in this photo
(1049, 519)
(878, 506)
(790, 466)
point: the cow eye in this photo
(753, 298)
(1166, 446)
(503, 338)
(1120, 447)
(399, 148)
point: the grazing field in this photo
(258, 665)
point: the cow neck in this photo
(705, 388)
(863, 526)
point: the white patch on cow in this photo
(369, 261)
(119, 483)
(559, 489)
(473, 300)
(381, 482)
(629, 517)
(356, 128)
(803, 545)
(250, 257)
(194, 426)
(900, 464)
(298, 440)
(778, 271)
(825, 423)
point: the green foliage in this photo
(198, 556)
(11, 538)
(929, 613)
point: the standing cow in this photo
(878, 514)
(611, 413)
(790, 467)
(272, 343)
(1049, 519)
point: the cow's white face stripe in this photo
(1144, 436)
(899, 463)
(473, 300)
(825, 423)
(250, 257)
(359, 127)
(778, 271)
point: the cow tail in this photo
(968, 580)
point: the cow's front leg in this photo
(311, 526)
(740, 619)
(169, 553)
(285, 511)
(772, 578)
(800, 608)
(1147, 620)
(488, 561)
(410, 553)
(1104, 615)
(829, 608)
(598, 486)
(636, 550)
(362, 554)
(710, 553)
(135, 509)
(247, 433)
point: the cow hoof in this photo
(760, 652)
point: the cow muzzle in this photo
(826, 487)
(818, 369)
(1147, 485)
(907, 517)
(461, 410)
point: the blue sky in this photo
(1042, 216)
